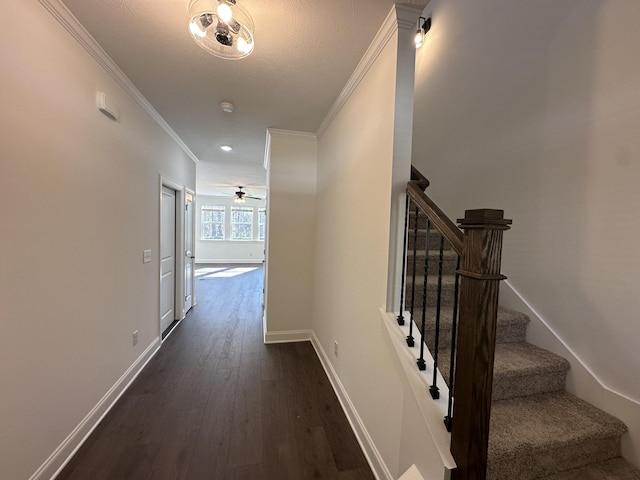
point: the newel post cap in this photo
(486, 218)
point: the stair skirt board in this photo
(581, 381)
(65, 451)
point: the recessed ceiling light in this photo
(227, 107)
(226, 148)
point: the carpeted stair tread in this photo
(522, 369)
(614, 469)
(511, 328)
(538, 435)
(520, 359)
(432, 281)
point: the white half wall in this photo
(355, 194)
(291, 216)
(79, 204)
(534, 108)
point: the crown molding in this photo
(62, 14)
(400, 16)
(276, 132)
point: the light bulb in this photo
(419, 38)
(244, 46)
(224, 12)
(195, 29)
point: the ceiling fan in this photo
(241, 196)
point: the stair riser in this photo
(432, 297)
(504, 333)
(421, 241)
(422, 221)
(511, 387)
(535, 464)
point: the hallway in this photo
(215, 403)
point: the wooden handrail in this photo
(480, 251)
(444, 225)
(419, 178)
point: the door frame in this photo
(194, 302)
(179, 268)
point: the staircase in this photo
(537, 429)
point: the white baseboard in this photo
(287, 336)
(377, 464)
(61, 456)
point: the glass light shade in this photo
(239, 199)
(223, 29)
(419, 38)
(224, 11)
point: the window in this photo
(262, 217)
(212, 223)
(241, 223)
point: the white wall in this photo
(534, 108)
(228, 251)
(354, 202)
(79, 203)
(291, 215)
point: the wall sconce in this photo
(424, 25)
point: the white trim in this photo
(577, 358)
(385, 33)
(276, 132)
(61, 455)
(62, 14)
(411, 474)
(178, 268)
(375, 460)
(287, 336)
(433, 411)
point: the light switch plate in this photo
(146, 256)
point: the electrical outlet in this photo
(335, 348)
(135, 338)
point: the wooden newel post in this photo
(479, 286)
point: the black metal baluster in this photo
(404, 262)
(448, 420)
(421, 363)
(435, 391)
(410, 339)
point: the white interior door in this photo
(189, 259)
(168, 259)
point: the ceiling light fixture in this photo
(227, 107)
(226, 148)
(221, 27)
(424, 25)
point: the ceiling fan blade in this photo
(255, 198)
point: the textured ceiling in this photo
(305, 52)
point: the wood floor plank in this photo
(216, 403)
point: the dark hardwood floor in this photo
(216, 403)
